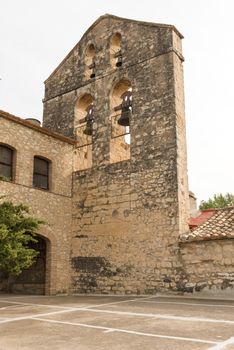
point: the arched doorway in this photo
(33, 279)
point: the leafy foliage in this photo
(4, 178)
(218, 201)
(17, 230)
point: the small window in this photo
(41, 173)
(6, 162)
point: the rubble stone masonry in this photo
(53, 206)
(117, 204)
(208, 265)
(126, 216)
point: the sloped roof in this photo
(40, 129)
(201, 218)
(219, 226)
(109, 16)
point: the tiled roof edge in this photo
(40, 129)
(204, 239)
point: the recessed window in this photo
(6, 162)
(41, 173)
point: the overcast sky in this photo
(36, 35)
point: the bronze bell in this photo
(119, 61)
(118, 55)
(92, 66)
(89, 120)
(89, 128)
(124, 119)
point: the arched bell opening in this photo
(89, 60)
(35, 279)
(121, 111)
(84, 118)
(115, 51)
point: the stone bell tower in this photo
(119, 93)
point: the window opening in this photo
(6, 162)
(41, 173)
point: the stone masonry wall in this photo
(208, 265)
(127, 216)
(62, 88)
(123, 241)
(54, 206)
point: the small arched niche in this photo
(83, 130)
(89, 60)
(115, 51)
(121, 110)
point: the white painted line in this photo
(119, 302)
(10, 307)
(65, 309)
(32, 316)
(108, 329)
(122, 313)
(38, 305)
(222, 345)
(160, 316)
(180, 303)
(198, 296)
(15, 296)
(71, 307)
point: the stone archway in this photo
(33, 279)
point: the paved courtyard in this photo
(115, 322)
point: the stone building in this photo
(208, 252)
(107, 171)
(23, 144)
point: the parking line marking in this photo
(22, 318)
(71, 307)
(222, 345)
(109, 331)
(128, 331)
(180, 303)
(160, 316)
(135, 314)
(120, 302)
(32, 304)
(92, 308)
(65, 309)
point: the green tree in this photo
(17, 231)
(218, 201)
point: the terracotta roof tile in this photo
(203, 216)
(220, 225)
